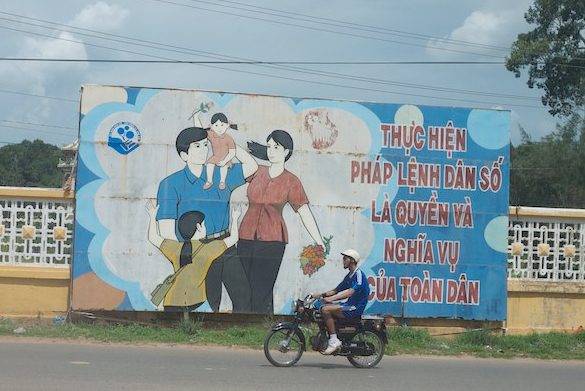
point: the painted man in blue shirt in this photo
(183, 191)
(354, 288)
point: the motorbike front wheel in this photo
(375, 344)
(284, 347)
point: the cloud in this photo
(37, 78)
(100, 16)
(64, 45)
(482, 27)
(485, 29)
(493, 23)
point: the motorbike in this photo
(363, 339)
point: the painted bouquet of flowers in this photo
(313, 256)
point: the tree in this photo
(550, 172)
(554, 53)
(30, 164)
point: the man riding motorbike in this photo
(354, 288)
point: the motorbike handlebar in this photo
(309, 299)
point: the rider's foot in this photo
(332, 346)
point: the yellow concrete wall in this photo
(33, 291)
(38, 193)
(542, 306)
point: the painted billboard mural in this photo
(207, 201)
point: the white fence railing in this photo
(36, 227)
(546, 244)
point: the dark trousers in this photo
(228, 269)
(261, 262)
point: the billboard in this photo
(227, 202)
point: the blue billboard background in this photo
(417, 270)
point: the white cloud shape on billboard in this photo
(408, 114)
(102, 95)
(496, 234)
(489, 129)
(133, 178)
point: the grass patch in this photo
(184, 331)
(407, 340)
(486, 343)
(482, 343)
(401, 340)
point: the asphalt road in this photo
(30, 365)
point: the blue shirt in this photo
(359, 283)
(183, 192)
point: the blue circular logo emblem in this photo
(124, 137)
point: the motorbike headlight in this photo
(297, 306)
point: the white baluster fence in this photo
(546, 244)
(36, 227)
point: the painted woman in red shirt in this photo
(263, 233)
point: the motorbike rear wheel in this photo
(284, 347)
(375, 343)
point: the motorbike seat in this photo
(348, 321)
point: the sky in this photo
(422, 52)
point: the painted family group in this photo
(196, 229)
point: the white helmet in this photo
(350, 252)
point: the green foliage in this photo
(479, 337)
(546, 346)
(548, 173)
(554, 53)
(412, 341)
(189, 326)
(410, 336)
(30, 164)
(487, 343)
